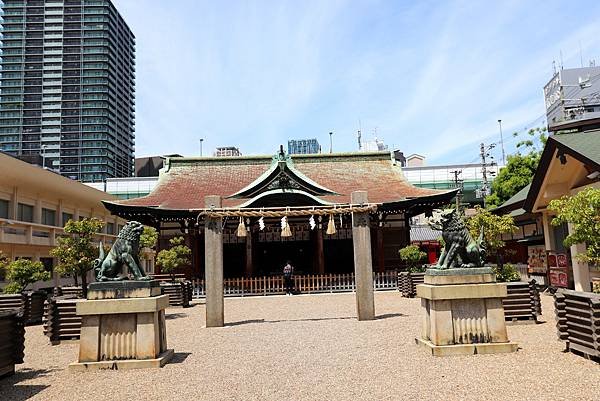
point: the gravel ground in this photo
(312, 347)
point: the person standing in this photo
(288, 278)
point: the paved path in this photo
(311, 347)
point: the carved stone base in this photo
(118, 332)
(467, 349)
(463, 313)
(159, 362)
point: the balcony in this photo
(24, 233)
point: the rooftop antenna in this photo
(331, 142)
(561, 61)
(553, 67)
(580, 54)
(359, 135)
(502, 142)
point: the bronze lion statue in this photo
(460, 249)
(123, 252)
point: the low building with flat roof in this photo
(35, 205)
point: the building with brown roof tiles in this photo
(252, 187)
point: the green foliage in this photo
(583, 212)
(493, 228)
(3, 264)
(507, 273)
(76, 251)
(413, 257)
(12, 288)
(23, 272)
(519, 170)
(148, 239)
(177, 255)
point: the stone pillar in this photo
(37, 211)
(380, 253)
(581, 271)
(363, 266)
(59, 214)
(213, 257)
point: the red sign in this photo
(559, 278)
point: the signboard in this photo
(558, 268)
(536, 259)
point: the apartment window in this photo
(3, 209)
(66, 217)
(110, 228)
(48, 217)
(25, 213)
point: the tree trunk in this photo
(75, 278)
(84, 284)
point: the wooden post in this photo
(363, 265)
(380, 255)
(213, 256)
(249, 261)
(320, 256)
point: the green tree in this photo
(148, 239)
(413, 257)
(520, 168)
(493, 227)
(177, 255)
(76, 251)
(3, 264)
(583, 212)
(23, 272)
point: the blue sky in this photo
(428, 77)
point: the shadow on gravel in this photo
(390, 315)
(179, 357)
(251, 321)
(175, 315)
(11, 390)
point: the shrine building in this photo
(278, 208)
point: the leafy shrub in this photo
(596, 287)
(413, 257)
(507, 273)
(23, 272)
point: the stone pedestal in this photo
(123, 327)
(463, 313)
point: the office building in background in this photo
(68, 87)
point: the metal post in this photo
(502, 143)
(331, 142)
(201, 140)
(484, 172)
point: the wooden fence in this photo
(60, 319)
(12, 340)
(407, 283)
(31, 302)
(309, 284)
(522, 302)
(578, 321)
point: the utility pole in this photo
(502, 143)
(331, 142)
(485, 188)
(201, 140)
(458, 184)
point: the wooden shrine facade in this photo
(310, 192)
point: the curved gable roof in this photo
(186, 181)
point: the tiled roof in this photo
(424, 233)
(189, 180)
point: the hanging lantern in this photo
(285, 228)
(241, 230)
(331, 225)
